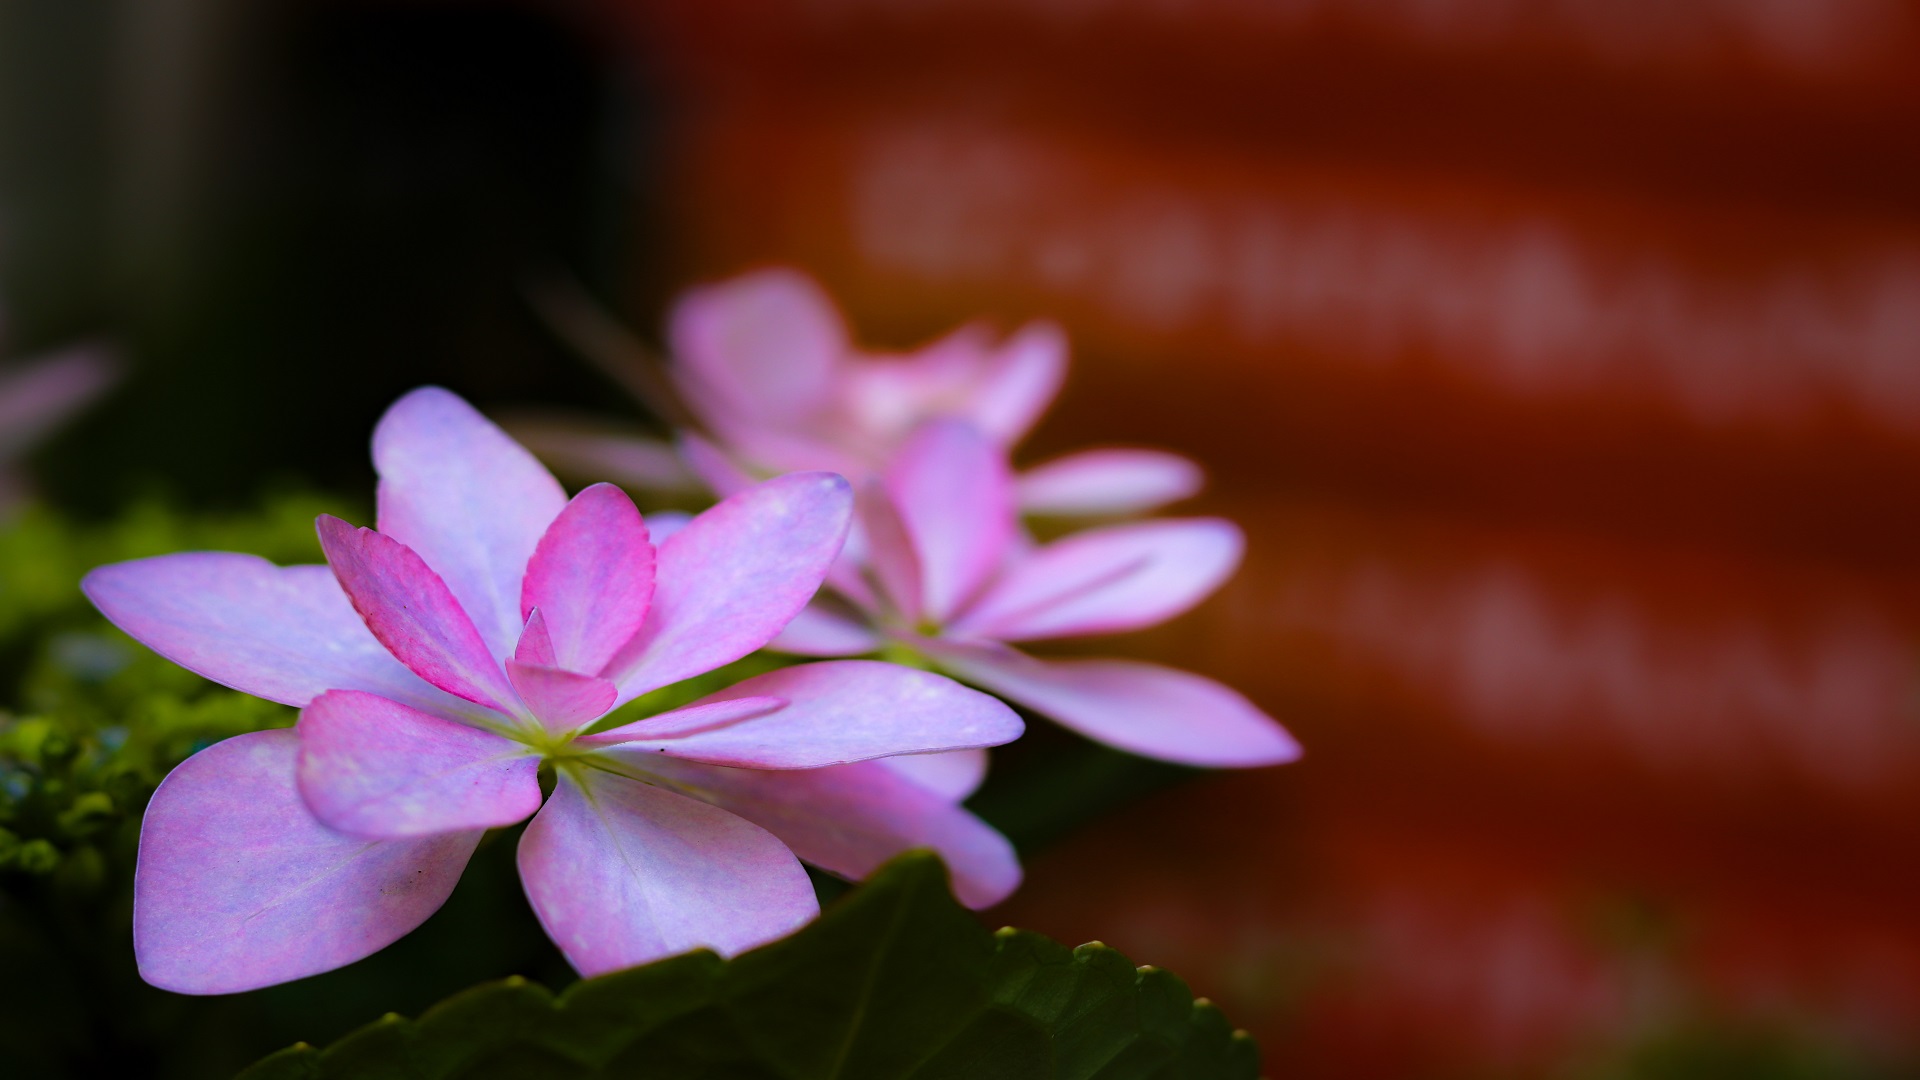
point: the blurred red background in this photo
(1563, 362)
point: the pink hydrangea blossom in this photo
(766, 365)
(941, 568)
(481, 632)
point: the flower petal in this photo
(715, 468)
(1099, 482)
(239, 886)
(761, 348)
(287, 634)
(591, 577)
(375, 768)
(951, 774)
(664, 523)
(621, 873)
(889, 552)
(535, 645)
(38, 395)
(955, 495)
(472, 502)
(1102, 581)
(736, 575)
(413, 613)
(581, 451)
(1020, 383)
(884, 397)
(845, 710)
(823, 628)
(849, 819)
(1144, 709)
(687, 720)
(561, 700)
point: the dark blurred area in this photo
(1561, 358)
(292, 213)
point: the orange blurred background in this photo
(1562, 360)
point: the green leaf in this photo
(896, 980)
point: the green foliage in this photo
(100, 720)
(43, 556)
(895, 980)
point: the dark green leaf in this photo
(897, 980)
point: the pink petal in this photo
(845, 710)
(848, 577)
(763, 347)
(413, 613)
(578, 450)
(561, 700)
(592, 578)
(772, 451)
(890, 553)
(952, 774)
(664, 523)
(471, 501)
(1101, 482)
(1144, 709)
(536, 644)
(849, 819)
(377, 769)
(887, 397)
(823, 629)
(737, 574)
(287, 634)
(715, 468)
(621, 873)
(955, 496)
(38, 395)
(1020, 383)
(1103, 581)
(239, 886)
(687, 720)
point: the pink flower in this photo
(766, 365)
(39, 395)
(440, 661)
(941, 569)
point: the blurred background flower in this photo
(1561, 361)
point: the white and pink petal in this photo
(468, 499)
(953, 491)
(1019, 382)
(734, 577)
(1106, 580)
(825, 628)
(287, 634)
(239, 886)
(762, 348)
(849, 819)
(591, 577)
(561, 700)
(375, 768)
(840, 711)
(414, 613)
(1107, 482)
(1145, 709)
(622, 873)
(951, 774)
